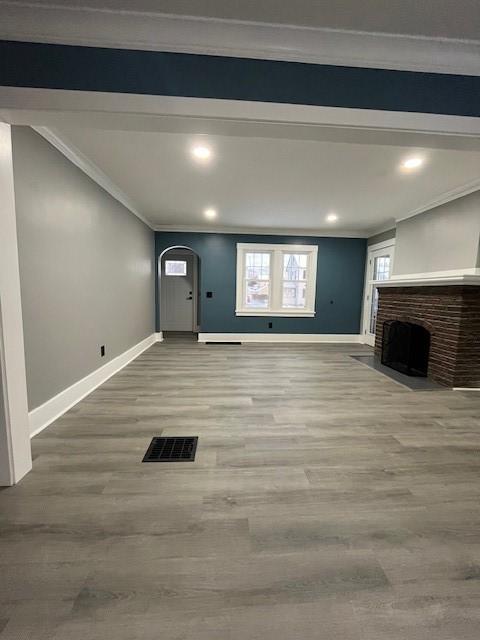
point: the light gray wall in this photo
(86, 269)
(4, 459)
(441, 239)
(381, 237)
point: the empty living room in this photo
(239, 320)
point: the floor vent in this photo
(171, 450)
(217, 342)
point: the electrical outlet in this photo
(102, 350)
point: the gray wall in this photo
(441, 239)
(86, 269)
(4, 458)
(381, 237)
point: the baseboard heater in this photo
(224, 342)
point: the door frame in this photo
(6, 462)
(15, 448)
(367, 337)
(195, 281)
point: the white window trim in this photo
(389, 247)
(276, 268)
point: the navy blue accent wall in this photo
(27, 64)
(340, 275)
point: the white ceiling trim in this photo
(22, 105)
(90, 169)
(381, 228)
(163, 32)
(447, 196)
(264, 231)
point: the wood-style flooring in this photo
(326, 502)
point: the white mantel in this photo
(434, 278)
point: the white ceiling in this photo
(267, 183)
(432, 18)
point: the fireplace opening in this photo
(405, 347)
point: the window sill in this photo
(284, 313)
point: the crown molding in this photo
(262, 231)
(88, 26)
(381, 228)
(90, 169)
(444, 198)
(95, 173)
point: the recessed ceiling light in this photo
(210, 213)
(201, 152)
(332, 217)
(412, 163)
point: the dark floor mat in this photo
(413, 383)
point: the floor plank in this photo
(326, 501)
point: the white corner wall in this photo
(443, 239)
(15, 451)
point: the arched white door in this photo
(178, 291)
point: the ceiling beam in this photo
(100, 27)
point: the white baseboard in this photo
(46, 413)
(281, 337)
(159, 336)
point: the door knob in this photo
(189, 298)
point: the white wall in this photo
(442, 239)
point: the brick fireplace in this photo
(451, 313)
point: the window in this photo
(257, 280)
(294, 280)
(276, 279)
(175, 267)
(374, 310)
(381, 268)
(381, 271)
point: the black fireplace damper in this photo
(405, 347)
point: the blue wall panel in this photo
(340, 275)
(54, 66)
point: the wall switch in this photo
(102, 350)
